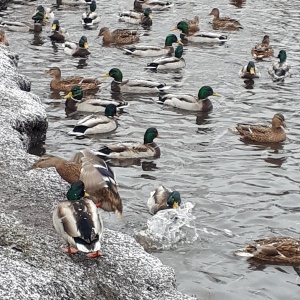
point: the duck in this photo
(163, 198)
(118, 36)
(165, 63)
(79, 49)
(140, 86)
(193, 24)
(132, 17)
(190, 102)
(65, 84)
(90, 18)
(225, 23)
(58, 34)
(263, 133)
(150, 51)
(97, 176)
(263, 49)
(159, 5)
(125, 150)
(97, 124)
(187, 36)
(250, 71)
(277, 249)
(3, 39)
(73, 2)
(78, 222)
(74, 102)
(280, 70)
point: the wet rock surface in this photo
(31, 264)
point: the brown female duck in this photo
(193, 25)
(66, 84)
(282, 250)
(263, 49)
(97, 176)
(262, 133)
(119, 36)
(225, 23)
(3, 39)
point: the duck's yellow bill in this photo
(179, 42)
(69, 95)
(150, 16)
(86, 195)
(216, 94)
(158, 136)
(54, 27)
(175, 205)
(252, 71)
(173, 29)
(85, 45)
(105, 75)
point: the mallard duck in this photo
(280, 70)
(3, 39)
(78, 222)
(163, 198)
(225, 23)
(132, 17)
(164, 63)
(77, 50)
(133, 85)
(249, 71)
(99, 179)
(58, 34)
(125, 150)
(119, 36)
(75, 102)
(198, 37)
(262, 133)
(97, 124)
(66, 84)
(148, 50)
(281, 249)
(263, 49)
(72, 2)
(193, 24)
(141, 5)
(190, 102)
(90, 18)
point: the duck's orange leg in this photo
(70, 250)
(93, 254)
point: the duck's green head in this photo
(110, 110)
(76, 191)
(150, 134)
(83, 42)
(148, 12)
(251, 67)
(55, 25)
(115, 73)
(282, 56)
(170, 39)
(75, 93)
(93, 6)
(38, 17)
(205, 92)
(183, 26)
(179, 51)
(174, 200)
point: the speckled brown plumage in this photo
(193, 25)
(225, 23)
(263, 49)
(119, 36)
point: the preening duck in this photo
(79, 49)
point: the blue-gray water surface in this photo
(241, 191)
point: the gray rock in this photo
(31, 264)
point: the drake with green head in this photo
(190, 102)
(163, 198)
(90, 18)
(280, 70)
(133, 85)
(125, 150)
(78, 222)
(132, 17)
(79, 49)
(58, 34)
(148, 50)
(250, 71)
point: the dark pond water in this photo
(242, 192)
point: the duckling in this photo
(249, 71)
(124, 150)
(78, 222)
(165, 63)
(144, 19)
(119, 36)
(93, 124)
(263, 49)
(97, 176)
(66, 84)
(58, 34)
(133, 85)
(198, 37)
(225, 23)
(262, 133)
(281, 249)
(75, 102)
(77, 50)
(147, 50)
(90, 18)
(3, 39)
(280, 70)
(190, 102)
(141, 5)
(163, 198)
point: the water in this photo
(241, 192)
